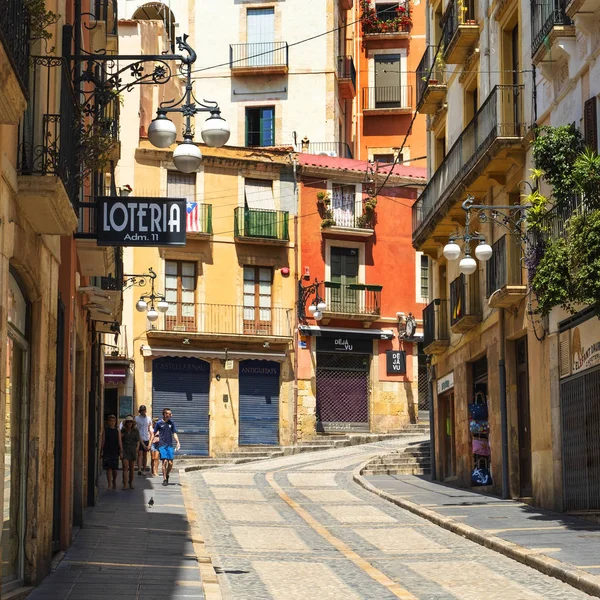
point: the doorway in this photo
(447, 435)
(111, 404)
(387, 81)
(525, 479)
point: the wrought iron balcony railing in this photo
(226, 319)
(385, 19)
(259, 55)
(50, 131)
(14, 35)
(340, 149)
(500, 117)
(459, 12)
(464, 299)
(346, 69)
(121, 351)
(546, 15)
(353, 298)
(435, 323)
(430, 71)
(261, 223)
(504, 267)
(387, 97)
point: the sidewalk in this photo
(564, 547)
(127, 550)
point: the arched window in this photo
(157, 11)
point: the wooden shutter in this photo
(590, 124)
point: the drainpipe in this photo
(297, 298)
(430, 378)
(503, 409)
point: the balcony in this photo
(460, 31)
(465, 303)
(116, 351)
(504, 274)
(49, 161)
(337, 149)
(266, 58)
(549, 22)
(345, 213)
(436, 337)
(584, 7)
(387, 100)
(105, 295)
(346, 73)
(14, 61)
(354, 301)
(224, 321)
(259, 226)
(104, 34)
(431, 81)
(486, 148)
(387, 23)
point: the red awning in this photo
(115, 374)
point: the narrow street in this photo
(298, 527)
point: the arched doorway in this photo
(157, 11)
(183, 385)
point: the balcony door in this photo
(180, 293)
(258, 300)
(387, 81)
(260, 36)
(344, 271)
(343, 205)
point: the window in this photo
(386, 11)
(424, 277)
(258, 193)
(387, 81)
(260, 126)
(385, 159)
(181, 185)
(260, 36)
(590, 124)
(258, 292)
(180, 293)
(343, 205)
(344, 271)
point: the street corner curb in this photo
(208, 575)
(570, 575)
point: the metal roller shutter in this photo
(259, 402)
(182, 384)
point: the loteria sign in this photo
(131, 221)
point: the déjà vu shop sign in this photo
(345, 344)
(131, 221)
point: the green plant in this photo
(39, 20)
(327, 222)
(555, 150)
(537, 212)
(586, 176)
(364, 221)
(323, 198)
(370, 205)
(551, 279)
(97, 144)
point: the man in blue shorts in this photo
(167, 432)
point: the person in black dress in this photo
(111, 451)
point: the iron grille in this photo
(342, 392)
(422, 380)
(580, 416)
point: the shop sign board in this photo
(585, 345)
(396, 362)
(445, 383)
(342, 343)
(140, 221)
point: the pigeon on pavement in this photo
(151, 502)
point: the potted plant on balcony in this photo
(323, 199)
(39, 21)
(327, 220)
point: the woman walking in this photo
(154, 453)
(111, 450)
(130, 439)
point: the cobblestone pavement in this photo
(299, 528)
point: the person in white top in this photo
(144, 424)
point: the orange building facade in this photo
(358, 362)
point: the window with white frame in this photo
(343, 205)
(424, 277)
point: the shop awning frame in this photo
(371, 334)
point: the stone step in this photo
(256, 454)
(401, 461)
(407, 471)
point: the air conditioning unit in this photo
(331, 153)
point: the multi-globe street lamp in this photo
(153, 303)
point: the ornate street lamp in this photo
(153, 303)
(318, 305)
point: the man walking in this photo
(167, 432)
(144, 425)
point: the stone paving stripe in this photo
(360, 562)
(461, 578)
(299, 581)
(510, 529)
(230, 493)
(351, 513)
(228, 478)
(251, 513)
(269, 539)
(401, 541)
(161, 564)
(341, 496)
(312, 480)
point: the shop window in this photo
(180, 293)
(258, 300)
(479, 429)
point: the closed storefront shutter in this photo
(182, 384)
(259, 402)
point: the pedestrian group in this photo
(133, 440)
